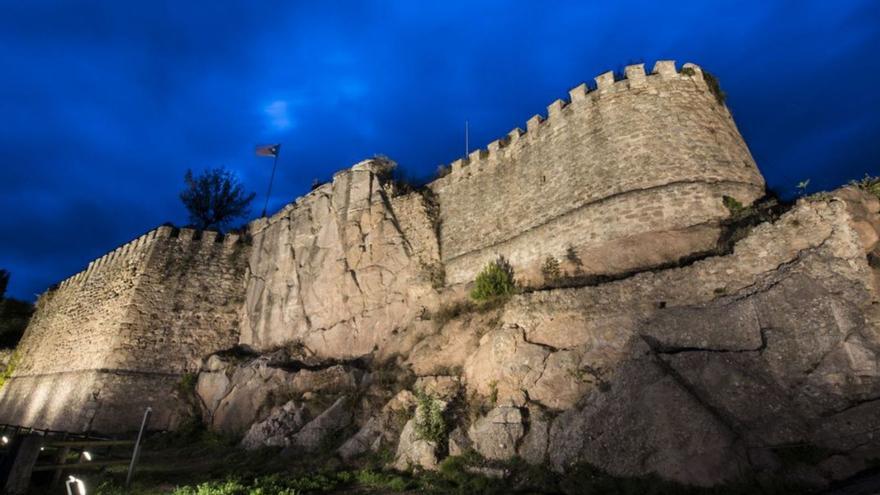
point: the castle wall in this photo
(629, 175)
(646, 154)
(117, 337)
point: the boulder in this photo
(381, 429)
(278, 428)
(496, 435)
(413, 451)
(313, 435)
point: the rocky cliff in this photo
(726, 366)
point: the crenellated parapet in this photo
(582, 98)
(628, 155)
(136, 249)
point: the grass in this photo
(203, 463)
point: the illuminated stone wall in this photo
(118, 337)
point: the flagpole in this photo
(271, 179)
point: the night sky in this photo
(105, 105)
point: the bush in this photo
(495, 281)
(429, 421)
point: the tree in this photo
(215, 198)
(4, 281)
(14, 315)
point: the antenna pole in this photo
(466, 144)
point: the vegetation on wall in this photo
(711, 81)
(494, 281)
(550, 269)
(10, 368)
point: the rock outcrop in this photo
(340, 271)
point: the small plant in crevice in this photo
(711, 82)
(495, 281)
(429, 424)
(550, 269)
(732, 205)
(802, 186)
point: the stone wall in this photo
(644, 155)
(118, 337)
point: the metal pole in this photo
(466, 144)
(269, 192)
(137, 446)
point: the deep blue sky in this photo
(104, 105)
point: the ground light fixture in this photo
(75, 486)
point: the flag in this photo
(268, 150)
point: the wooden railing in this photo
(24, 451)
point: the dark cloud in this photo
(104, 105)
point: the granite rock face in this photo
(341, 270)
(698, 373)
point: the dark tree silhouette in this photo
(14, 315)
(4, 281)
(214, 198)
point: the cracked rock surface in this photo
(340, 271)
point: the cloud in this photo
(278, 113)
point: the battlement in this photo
(579, 97)
(136, 249)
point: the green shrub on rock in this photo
(495, 281)
(430, 424)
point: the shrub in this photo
(869, 184)
(495, 281)
(550, 269)
(429, 421)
